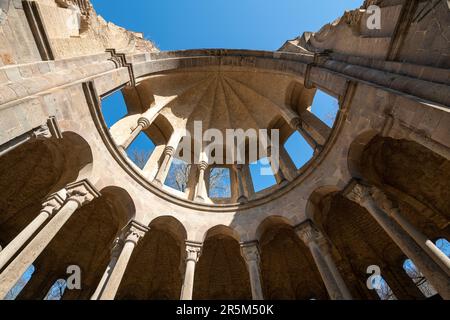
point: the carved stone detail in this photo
(307, 232)
(134, 232)
(250, 252)
(358, 193)
(82, 192)
(54, 203)
(193, 251)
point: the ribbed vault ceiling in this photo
(221, 98)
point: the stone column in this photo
(133, 234)
(250, 252)
(248, 182)
(317, 244)
(201, 193)
(49, 208)
(193, 251)
(78, 194)
(426, 244)
(143, 124)
(46, 131)
(287, 165)
(115, 253)
(169, 152)
(192, 182)
(297, 124)
(241, 192)
(275, 163)
(316, 128)
(152, 166)
(363, 195)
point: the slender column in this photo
(115, 253)
(46, 131)
(152, 166)
(336, 287)
(247, 180)
(49, 208)
(316, 128)
(297, 124)
(78, 194)
(201, 188)
(325, 249)
(242, 195)
(169, 152)
(275, 163)
(192, 182)
(287, 165)
(250, 252)
(426, 244)
(133, 234)
(142, 124)
(193, 251)
(363, 195)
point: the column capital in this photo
(357, 192)
(82, 192)
(54, 202)
(296, 123)
(193, 251)
(203, 165)
(308, 232)
(250, 251)
(144, 123)
(41, 133)
(134, 232)
(169, 151)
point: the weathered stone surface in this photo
(59, 59)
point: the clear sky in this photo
(242, 24)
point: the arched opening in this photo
(28, 174)
(155, 270)
(347, 225)
(57, 290)
(419, 280)
(298, 149)
(382, 288)
(84, 241)
(221, 272)
(287, 267)
(417, 179)
(219, 183)
(32, 172)
(262, 175)
(325, 107)
(114, 108)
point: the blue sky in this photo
(244, 24)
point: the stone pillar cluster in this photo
(107, 289)
(320, 251)
(61, 206)
(428, 259)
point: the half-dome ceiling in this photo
(221, 98)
